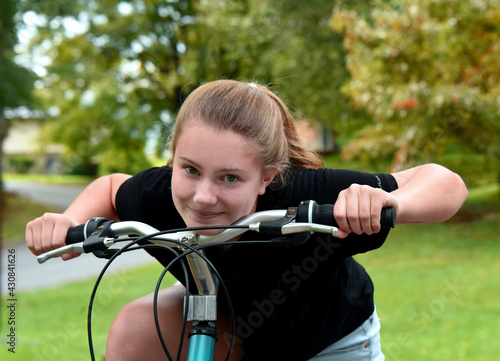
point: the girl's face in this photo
(216, 176)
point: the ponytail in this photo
(300, 156)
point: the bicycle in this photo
(292, 227)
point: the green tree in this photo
(117, 72)
(16, 82)
(428, 74)
(114, 77)
(287, 43)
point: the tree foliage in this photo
(121, 69)
(427, 71)
(16, 82)
(289, 45)
(113, 78)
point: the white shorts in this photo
(363, 344)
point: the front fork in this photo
(201, 308)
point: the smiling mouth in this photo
(205, 215)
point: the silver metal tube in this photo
(77, 247)
(229, 234)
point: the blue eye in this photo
(230, 178)
(191, 170)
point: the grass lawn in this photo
(49, 178)
(51, 323)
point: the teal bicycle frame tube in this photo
(201, 348)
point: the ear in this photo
(267, 179)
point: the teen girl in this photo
(235, 151)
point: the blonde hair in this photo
(254, 112)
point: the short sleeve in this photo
(321, 185)
(147, 197)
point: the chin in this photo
(209, 232)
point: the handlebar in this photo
(98, 234)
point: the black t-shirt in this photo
(289, 303)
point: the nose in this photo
(205, 193)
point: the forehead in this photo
(207, 145)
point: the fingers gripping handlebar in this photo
(323, 214)
(310, 213)
(83, 239)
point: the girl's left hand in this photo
(358, 209)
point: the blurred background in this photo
(91, 87)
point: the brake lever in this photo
(309, 227)
(96, 244)
(76, 248)
(298, 232)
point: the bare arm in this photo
(97, 200)
(427, 193)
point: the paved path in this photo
(29, 274)
(57, 196)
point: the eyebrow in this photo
(223, 170)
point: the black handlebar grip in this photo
(388, 217)
(323, 214)
(76, 234)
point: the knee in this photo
(133, 334)
(130, 329)
(131, 319)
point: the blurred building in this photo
(22, 150)
(316, 136)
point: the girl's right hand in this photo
(48, 232)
